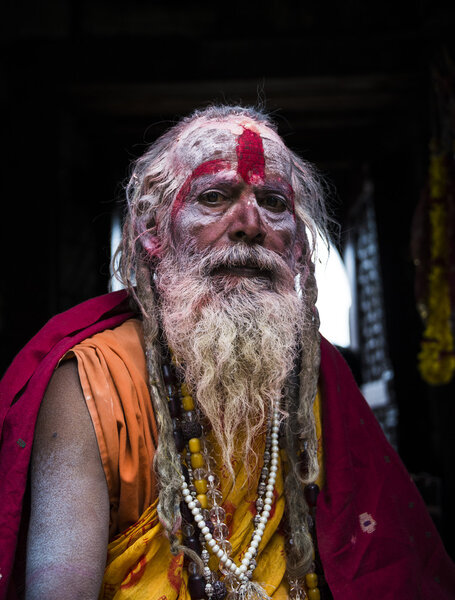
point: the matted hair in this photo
(156, 179)
(154, 183)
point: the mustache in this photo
(241, 255)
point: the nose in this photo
(246, 223)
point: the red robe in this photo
(376, 540)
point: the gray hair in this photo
(150, 193)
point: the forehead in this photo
(220, 140)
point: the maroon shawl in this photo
(375, 537)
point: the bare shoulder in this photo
(69, 521)
(63, 414)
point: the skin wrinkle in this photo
(208, 144)
(206, 168)
(213, 227)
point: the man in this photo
(213, 379)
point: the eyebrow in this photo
(209, 167)
(212, 167)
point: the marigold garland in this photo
(437, 356)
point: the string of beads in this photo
(201, 509)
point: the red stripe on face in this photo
(250, 156)
(207, 168)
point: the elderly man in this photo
(178, 451)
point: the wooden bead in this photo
(194, 445)
(191, 429)
(203, 500)
(185, 390)
(200, 485)
(311, 492)
(314, 594)
(196, 586)
(174, 407)
(197, 460)
(311, 579)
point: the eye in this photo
(211, 198)
(274, 203)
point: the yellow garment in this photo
(139, 562)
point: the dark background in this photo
(88, 84)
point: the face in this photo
(238, 190)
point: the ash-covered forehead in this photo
(204, 141)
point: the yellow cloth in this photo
(139, 562)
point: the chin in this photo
(236, 282)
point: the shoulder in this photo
(127, 337)
(63, 419)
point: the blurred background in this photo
(363, 90)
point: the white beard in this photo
(235, 339)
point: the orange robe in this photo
(113, 376)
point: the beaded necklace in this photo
(201, 510)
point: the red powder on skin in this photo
(207, 168)
(251, 161)
(250, 156)
(250, 167)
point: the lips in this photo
(247, 270)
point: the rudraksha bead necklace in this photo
(200, 491)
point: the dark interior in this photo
(88, 85)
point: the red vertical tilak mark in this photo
(250, 156)
(207, 168)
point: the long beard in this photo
(235, 339)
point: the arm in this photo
(69, 522)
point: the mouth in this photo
(241, 271)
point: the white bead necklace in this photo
(247, 563)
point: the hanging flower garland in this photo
(437, 356)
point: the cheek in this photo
(282, 239)
(283, 232)
(190, 228)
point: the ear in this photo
(148, 238)
(151, 244)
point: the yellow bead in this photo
(203, 500)
(194, 445)
(197, 460)
(185, 390)
(187, 403)
(314, 594)
(311, 579)
(200, 485)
